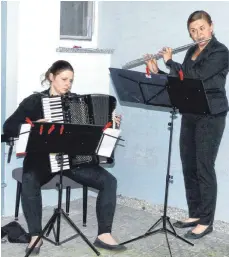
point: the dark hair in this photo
(56, 68)
(197, 15)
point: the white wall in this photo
(37, 41)
(91, 71)
(12, 56)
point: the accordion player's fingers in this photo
(117, 119)
(42, 120)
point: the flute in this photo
(140, 61)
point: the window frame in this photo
(91, 27)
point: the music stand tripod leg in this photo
(51, 226)
(78, 231)
(41, 234)
(57, 217)
(155, 225)
(164, 218)
(60, 212)
(179, 237)
(58, 209)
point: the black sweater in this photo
(211, 66)
(30, 107)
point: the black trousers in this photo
(200, 138)
(92, 176)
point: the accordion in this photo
(97, 109)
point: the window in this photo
(76, 20)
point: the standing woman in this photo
(200, 135)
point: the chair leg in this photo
(68, 195)
(85, 195)
(18, 197)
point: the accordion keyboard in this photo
(53, 112)
(52, 109)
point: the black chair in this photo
(68, 184)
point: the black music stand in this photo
(187, 96)
(136, 89)
(75, 140)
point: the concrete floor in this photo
(128, 223)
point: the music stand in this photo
(74, 140)
(136, 89)
(187, 96)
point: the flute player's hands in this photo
(166, 53)
(151, 64)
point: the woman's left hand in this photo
(166, 52)
(117, 120)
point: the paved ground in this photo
(128, 223)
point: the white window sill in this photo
(84, 50)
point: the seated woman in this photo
(36, 168)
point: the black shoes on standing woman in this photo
(197, 232)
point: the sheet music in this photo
(23, 139)
(108, 143)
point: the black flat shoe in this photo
(181, 224)
(101, 244)
(191, 235)
(36, 249)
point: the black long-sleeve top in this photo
(30, 107)
(211, 66)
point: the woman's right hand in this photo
(151, 64)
